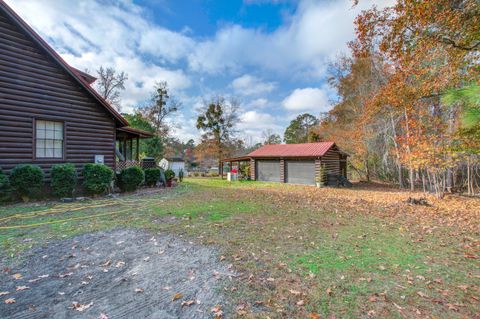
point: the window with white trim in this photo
(49, 139)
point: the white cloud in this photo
(251, 85)
(253, 124)
(257, 103)
(307, 99)
(314, 34)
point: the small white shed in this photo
(176, 164)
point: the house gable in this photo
(34, 85)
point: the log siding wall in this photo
(33, 86)
(331, 162)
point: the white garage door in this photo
(268, 171)
(300, 172)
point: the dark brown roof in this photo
(56, 57)
(135, 131)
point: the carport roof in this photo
(293, 150)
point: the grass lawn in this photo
(300, 252)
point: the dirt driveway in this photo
(117, 274)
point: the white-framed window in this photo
(48, 139)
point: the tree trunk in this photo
(400, 175)
(412, 179)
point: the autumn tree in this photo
(429, 46)
(301, 129)
(217, 121)
(110, 84)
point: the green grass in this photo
(347, 259)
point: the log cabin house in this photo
(49, 113)
(295, 163)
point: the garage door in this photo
(268, 171)
(300, 172)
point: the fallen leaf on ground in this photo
(17, 276)
(3, 293)
(300, 303)
(106, 264)
(177, 296)
(120, 264)
(146, 259)
(20, 288)
(10, 301)
(139, 290)
(79, 307)
(217, 311)
(187, 303)
(329, 291)
(421, 294)
(295, 292)
(314, 316)
(68, 274)
(103, 316)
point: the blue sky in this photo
(271, 55)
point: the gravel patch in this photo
(122, 273)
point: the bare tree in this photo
(109, 85)
(161, 106)
(271, 138)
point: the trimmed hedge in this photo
(97, 178)
(64, 179)
(4, 187)
(152, 176)
(27, 180)
(131, 178)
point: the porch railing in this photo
(126, 164)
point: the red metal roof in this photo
(293, 150)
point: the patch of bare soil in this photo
(123, 273)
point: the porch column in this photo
(125, 148)
(138, 148)
(131, 149)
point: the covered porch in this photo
(233, 162)
(127, 148)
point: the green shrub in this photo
(97, 178)
(169, 174)
(4, 187)
(26, 180)
(131, 178)
(64, 179)
(152, 176)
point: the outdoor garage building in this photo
(295, 163)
